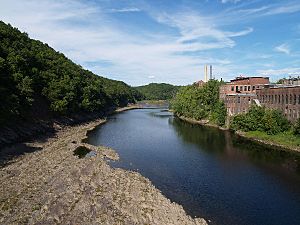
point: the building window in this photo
(286, 99)
(295, 99)
(236, 88)
(239, 100)
(245, 88)
(241, 88)
(253, 88)
(249, 87)
(299, 99)
(282, 98)
(232, 88)
(291, 99)
(275, 99)
(278, 98)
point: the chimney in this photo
(205, 73)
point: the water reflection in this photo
(211, 173)
(213, 140)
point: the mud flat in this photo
(53, 185)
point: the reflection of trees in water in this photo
(213, 140)
(261, 153)
(208, 139)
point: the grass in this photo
(286, 139)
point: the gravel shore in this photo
(51, 185)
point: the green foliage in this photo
(31, 70)
(296, 128)
(155, 91)
(219, 114)
(261, 119)
(200, 102)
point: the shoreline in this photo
(242, 134)
(268, 143)
(51, 185)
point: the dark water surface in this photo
(213, 174)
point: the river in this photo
(213, 174)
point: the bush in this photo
(296, 128)
(261, 119)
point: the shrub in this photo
(296, 128)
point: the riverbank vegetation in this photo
(268, 125)
(203, 104)
(36, 78)
(154, 91)
(200, 103)
(258, 118)
(284, 139)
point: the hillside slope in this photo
(39, 83)
(155, 91)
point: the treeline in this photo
(32, 72)
(258, 118)
(154, 91)
(200, 103)
(270, 121)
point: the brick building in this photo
(240, 93)
(285, 98)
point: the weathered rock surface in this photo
(53, 186)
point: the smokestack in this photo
(210, 72)
(205, 73)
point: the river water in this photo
(213, 174)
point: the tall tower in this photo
(210, 72)
(205, 74)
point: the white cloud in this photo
(84, 33)
(240, 33)
(126, 10)
(199, 33)
(284, 48)
(295, 71)
(230, 1)
(289, 8)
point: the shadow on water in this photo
(226, 143)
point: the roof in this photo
(247, 78)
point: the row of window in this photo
(291, 113)
(243, 88)
(238, 100)
(280, 99)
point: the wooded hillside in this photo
(34, 74)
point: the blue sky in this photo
(143, 41)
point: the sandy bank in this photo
(53, 186)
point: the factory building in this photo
(285, 98)
(239, 94)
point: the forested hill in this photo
(154, 91)
(35, 76)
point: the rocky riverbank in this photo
(51, 185)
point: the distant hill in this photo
(155, 91)
(36, 79)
